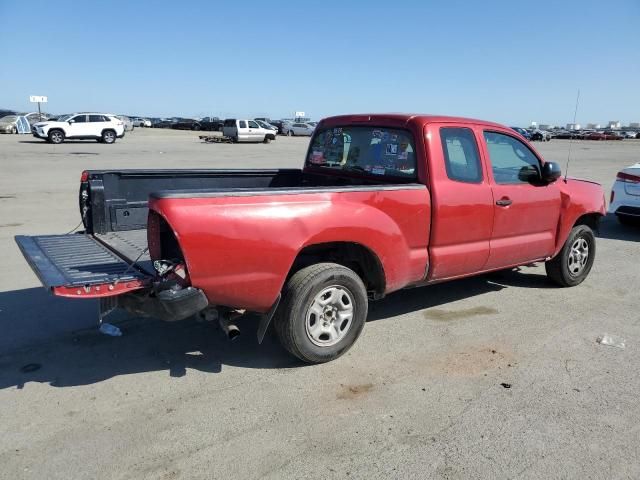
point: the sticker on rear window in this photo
(392, 149)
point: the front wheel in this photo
(572, 265)
(322, 313)
(108, 136)
(266, 140)
(56, 136)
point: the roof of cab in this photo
(406, 118)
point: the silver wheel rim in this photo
(329, 316)
(56, 137)
(578, 256)
(108, 137)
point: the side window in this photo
(80, 118)
(511, 160)
(461, 157)
(253, 124)
(242, 124)
(96, 118)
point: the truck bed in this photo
(131, 245)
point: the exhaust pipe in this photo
(231, 330)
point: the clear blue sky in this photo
(508, 61)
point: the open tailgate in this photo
(78, 266)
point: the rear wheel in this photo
(14, 129)
(572, 265)
(266, 140)
(56, 136)
(108, 136)
(322, 313)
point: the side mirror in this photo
(71, 121)
(551, 172)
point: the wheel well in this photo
(107, 130)
(592, 220)
(351, 255)
(270, 136)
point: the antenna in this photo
(575, 114)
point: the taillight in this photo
(85, 176)
(627, 177)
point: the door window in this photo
(96, 118)
(461, 157)
(253, 124)
(511, 160)
(242, 124)
(80, 119)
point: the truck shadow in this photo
(85, 356)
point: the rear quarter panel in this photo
(239, 249)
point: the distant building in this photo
(534, 124)
(615, 124)
(593, 126)
(573, 126)
(545, 126)
(634, 125)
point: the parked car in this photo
(540, 135)
(126, 121)
(164, 123)
(628, 134)
(141, 122)
(278, 124)
(9, 124)
(625, 196)
(286, 244)
(266, 125)
(211, 124)
(303, 129)
(525, 133)
(602, 136)
(247, 131)
(186, 124)
(104, 128)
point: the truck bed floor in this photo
(129, 244)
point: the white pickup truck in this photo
(246, 131)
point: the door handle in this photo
(504, 202)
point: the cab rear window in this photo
(375, 151)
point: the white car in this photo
(247, 131)
(141, 122)
(628, 134)
(625, 195)
(80, 126)
(303, 129)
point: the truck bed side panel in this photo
(239, 249)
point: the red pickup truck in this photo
(383, 202)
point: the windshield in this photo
(64, 118)
(372, 150)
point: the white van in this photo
(246, 131)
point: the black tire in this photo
(14, 129)
(562, 268)
(56, 136)
(266, 140)
(301, 292)
(289, 133)
(108, 137)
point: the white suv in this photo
(80, 126)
